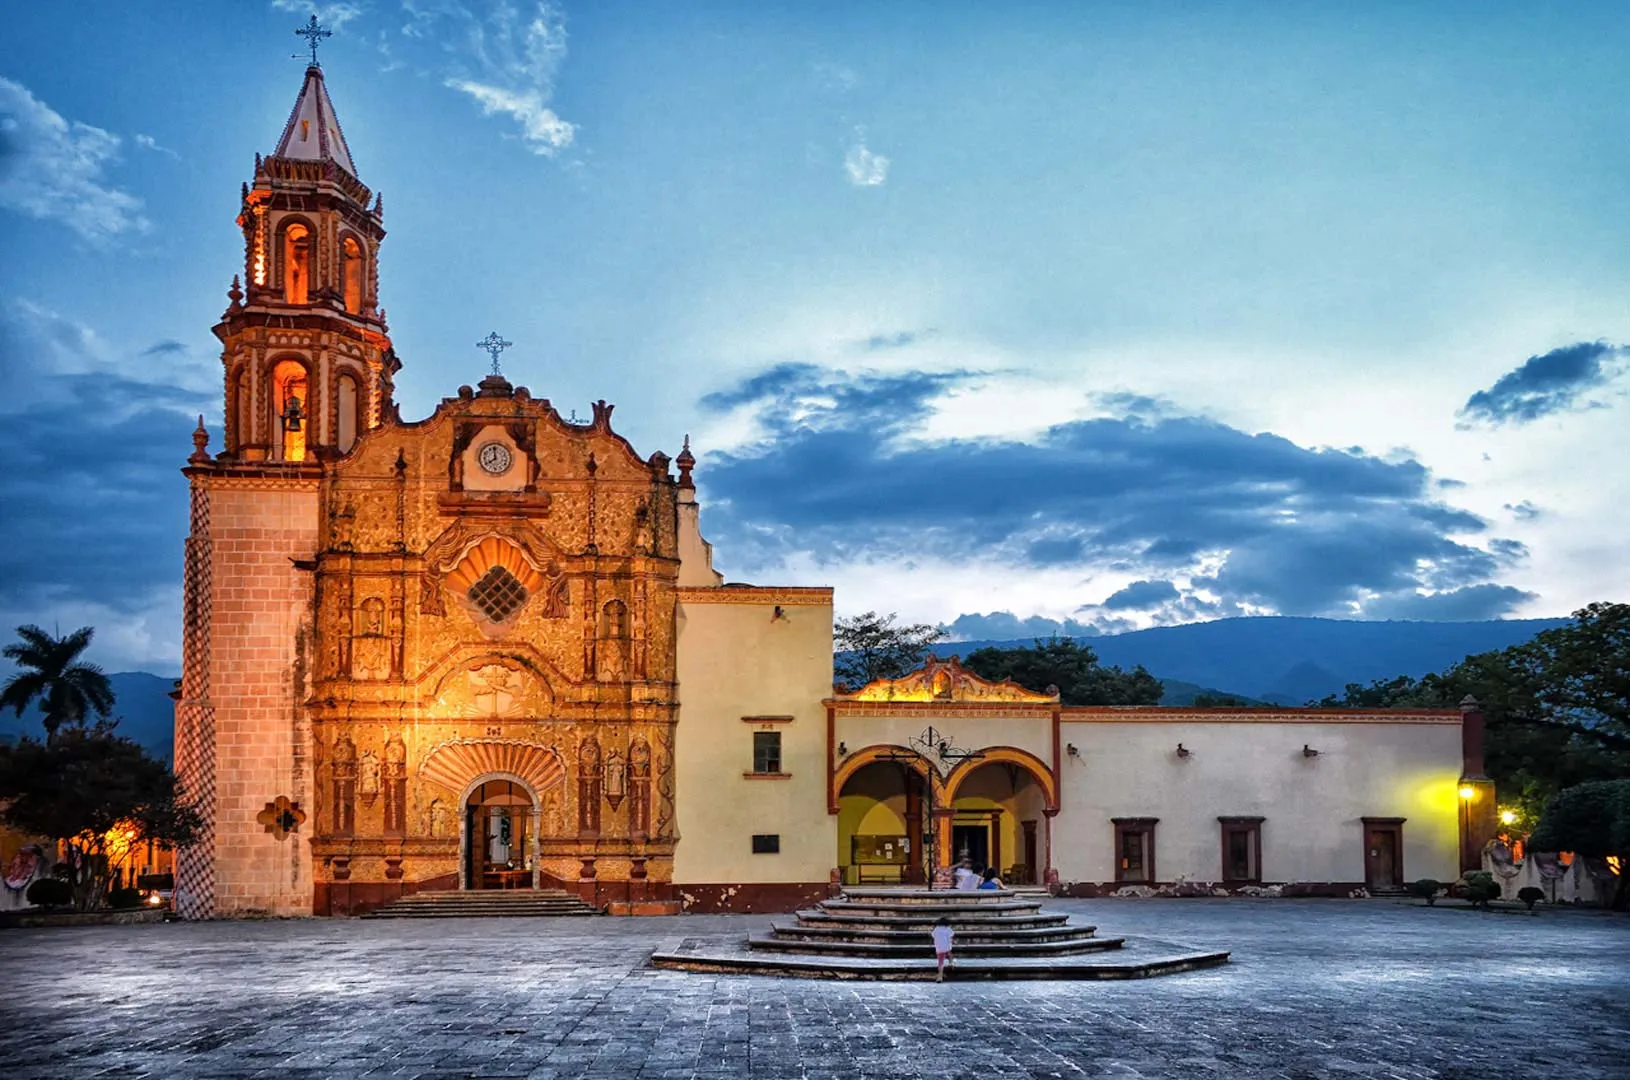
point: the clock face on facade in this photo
(494, 458)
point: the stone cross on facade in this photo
(313, 32)
(494, 345)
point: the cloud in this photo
(544, 132)
(52, 169)
(1142, 594)
(1524, 511)
(865, 168)
(333, 16)
(507, 61)
(898, 340)
(96, 506)
(1546, 384)
(842, 471)
(1472, 602)
(1005, 626)
(165, 348)
(147, 142)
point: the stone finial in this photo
(235, 294)
(384, 323)
(379, 204)
(200, 439)
(1469, 704)
(686, 462)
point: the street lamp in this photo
(935, 749)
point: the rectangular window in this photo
(1135, 849)
(766, 843)
(766, 751)
(1241, 849)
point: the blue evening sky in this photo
(1121, 314)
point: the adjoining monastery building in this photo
(488, 649)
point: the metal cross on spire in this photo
(494, 345)
(314, 32)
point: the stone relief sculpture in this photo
(639, 787)
(368, 777)
(588, 786)
(615, 776)
(345, 784)
(440, 819)
(665, 787)
(395, 785)
(370, 621)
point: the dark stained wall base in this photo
(747, 899)
(358, 897)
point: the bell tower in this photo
(307, 355)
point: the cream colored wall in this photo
(1312, 805)
(1034, 735)
(735, 660)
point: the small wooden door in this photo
(1030, 871)
(1383, 855)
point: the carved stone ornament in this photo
(281, 817)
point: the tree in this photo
(1069, 666)
(94, 791)
(1590, 819)
(67, 690)
(872, 647)
(1209, 700)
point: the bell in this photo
(291, 414)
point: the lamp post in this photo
(935, 749)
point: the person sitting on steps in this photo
(990, 880)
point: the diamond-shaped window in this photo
(499, 594)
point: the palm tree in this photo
(66, 689)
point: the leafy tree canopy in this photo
(1589, 819)
(67, 690)
(873, 646)
(1071, 667)
(91, 788)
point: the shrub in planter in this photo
(50, 892)
(1481, 888)
(124, 899)
(1530, 895)
(1426, 889)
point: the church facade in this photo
(488, 649)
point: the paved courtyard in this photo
(1317, 988)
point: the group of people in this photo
(966, 877)
(963, 877)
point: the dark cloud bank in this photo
(1550, 383)
(95, 507)
(841, 472)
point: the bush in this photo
(50, 892)
(1481, 888)
(1426, 889)
(125, 899)
(1530, 895)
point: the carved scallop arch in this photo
(540, 677)
(457, 763)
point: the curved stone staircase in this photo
(484, 903)
(883, 933)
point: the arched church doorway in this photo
(500, 835)
(882, 835)
(1001, 820)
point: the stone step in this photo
(485, 903)
(776, 944)
(1147, 960)
(924, 921)
(898, 895)
(919, 909)
(964, 937)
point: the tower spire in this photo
(313, 131)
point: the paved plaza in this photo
(1316, 989)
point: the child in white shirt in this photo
(942, 946)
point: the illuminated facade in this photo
(488, 649)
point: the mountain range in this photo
(1279, 660)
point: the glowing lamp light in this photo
(1508, 817)
(1467, 791)
(154, 899)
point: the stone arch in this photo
(1007, 755)
(296, 259)
(895, 755)
(463, 764)
(523, 680)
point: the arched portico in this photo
(498, 836)
(1001, 805)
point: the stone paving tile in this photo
(1362, 990)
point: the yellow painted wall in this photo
(1312, 805)
(735, 660)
